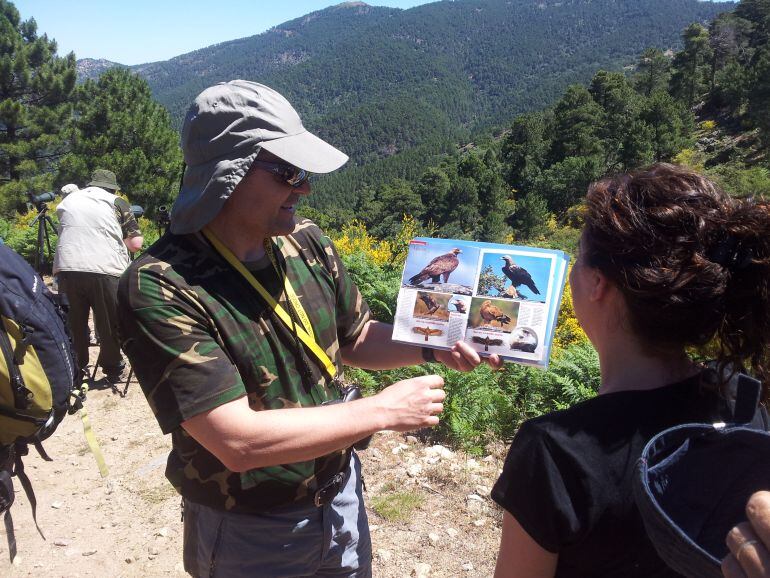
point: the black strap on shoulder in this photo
(20, 391)
(746, 398)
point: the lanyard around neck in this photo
(304, 329)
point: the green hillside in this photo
(379, 81)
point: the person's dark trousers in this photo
(99, 292)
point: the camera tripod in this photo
(44, 225)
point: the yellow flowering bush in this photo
(354, 238)
(568, 330)
(690, 158)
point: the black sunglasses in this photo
(291, 175)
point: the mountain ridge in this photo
(379, 81)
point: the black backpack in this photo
(38, 375)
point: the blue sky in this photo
(139, 31)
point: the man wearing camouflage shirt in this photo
(236, 324)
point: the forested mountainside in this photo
(379, 81)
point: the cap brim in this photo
(103, 185)
(306, 151)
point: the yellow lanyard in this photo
(303, 331)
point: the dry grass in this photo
(398, 506)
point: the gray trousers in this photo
(290, 542)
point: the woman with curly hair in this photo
(668, 265)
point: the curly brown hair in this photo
(692, 262)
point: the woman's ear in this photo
(599, 285)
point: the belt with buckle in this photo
(325, 494)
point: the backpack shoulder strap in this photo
(746, 398)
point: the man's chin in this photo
(285, 227)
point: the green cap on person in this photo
(104, 179)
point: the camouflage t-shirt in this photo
(198, 336)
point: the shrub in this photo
(20, 234)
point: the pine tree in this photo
(577, 118)
(493, 201)
(758, 13)
(433, 189)
(35, 86)
(668, 122)
(620, 104)
(400, 200)
(525, 149)
(653, 71)
(691, 69)
(121, 128)
(759, 96)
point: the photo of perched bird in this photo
(430, 302)
(490, 313)
(524, 339)
(459, 306)
(439, 267)
(518, 275)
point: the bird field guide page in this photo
(500, 299)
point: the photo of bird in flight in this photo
(518, 276)
(486, 341)
(438, 269)
(427, 331)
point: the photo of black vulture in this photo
(438, 269)
(518, 275)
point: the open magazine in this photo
(500, 299)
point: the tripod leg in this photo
(47, 235)
(128, 380)
(39, 258)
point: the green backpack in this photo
(38, 377)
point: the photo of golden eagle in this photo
(430, 302)
(518, 275)
(490, 313)
(439, 267)
(459, 306)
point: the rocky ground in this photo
(429, 507)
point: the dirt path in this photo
(128, 524)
